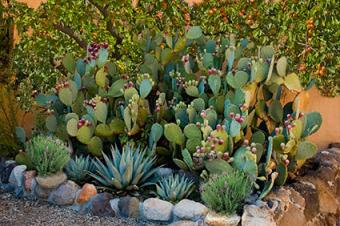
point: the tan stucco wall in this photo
(328, 107)
(330, 111)
(32, 3)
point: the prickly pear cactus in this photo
(200, 100)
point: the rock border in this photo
(312, 199)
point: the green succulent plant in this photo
(48, 155)
(226, 193)
(126, 170)
(195, 101)
(78, 168)
(174, 188)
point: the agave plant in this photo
(78, 169)
(174, 188)
(127, 170)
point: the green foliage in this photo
(226, 193)
(174, 188)
(78, 169)
(305, 30)
(127, 170)
(47, 154)
(6, 45)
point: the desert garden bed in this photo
(193, 129)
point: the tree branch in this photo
(59, 67)
(70, 32)
(109, 24)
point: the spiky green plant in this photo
(226, 193)
(47, 154)
(127, 170)
(78, 169)
(174, 188)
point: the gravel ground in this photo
(24, 212)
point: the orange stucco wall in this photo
(32, 3)
(328, 107)
(330, 111)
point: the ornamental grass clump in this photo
(174, 188)
(48, 155)
(226, 193)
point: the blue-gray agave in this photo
(128, 169)
(78, 169)
(174, 188)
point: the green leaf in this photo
(258, 137)
(192, 131)
(214, 82)
(281, 66)
(235, 128)
(145, 88)
(208, 60)
(187, 158)
(283, 174)
(101, 78)
(103, 54)
(156, 132)
(69, 63)
(101, 112)
(292, 82)
(239, 80)
(51, 123)
(66, 96)
(166, 56)
(181, 164)
(20, 134)
(218, 166)
(180, 44)
(72, 127)
(174, 133)
(312, 124)
(276, 111)
(95, 146)
(192, 91)
(267, 52)
(305, 150)
(194, 32)
(117, 88)
(84, 134)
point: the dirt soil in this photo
(15, 212)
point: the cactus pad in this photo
(174, 133)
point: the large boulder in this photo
(98, 205)
(157, 210)
(51, 181)
(65, 194)
(17, 176)
(6, 168)
(29, 177)
(257, 216)
(213, 219)
(86, 193)
(189, 210)
(129, 207)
